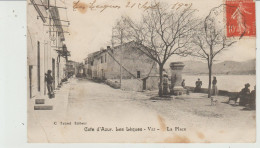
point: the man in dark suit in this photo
(49, 80)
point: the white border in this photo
(13, 120)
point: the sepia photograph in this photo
(141, 71)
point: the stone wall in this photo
(135, 67)
(220, 92)
(132, 60)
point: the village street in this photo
(98, 81)
(191, 118)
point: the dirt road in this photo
(95, 112)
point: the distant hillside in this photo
(226, 67)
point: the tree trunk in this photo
(160, 82)
(209, 86)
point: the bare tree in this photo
(210, 39)
(121, 32)
(120, 35)
(165, 32)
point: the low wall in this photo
(152, 83)
(220, 92)
(127, 84)
(132, 85)
(113, 84)
(137, 85)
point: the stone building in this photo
(72, 68)
(45, 47)
(126, 64)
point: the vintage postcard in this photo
(141, 71)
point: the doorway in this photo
(102, 74)
(144, 84)
(58, 69)
(30, 80)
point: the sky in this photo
(92, 29)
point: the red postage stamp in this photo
(240, 16)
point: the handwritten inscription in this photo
(95, 6)
(181, 5)
(80, 6)
(102, 7)
(145, 6)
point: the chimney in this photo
(101, 49)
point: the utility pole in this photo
(120, 29)
(112, 39)
(121, 42)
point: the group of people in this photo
(168, 85)
(197, 89)
(214, 90)
(246, 97)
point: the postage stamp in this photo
(240, 16)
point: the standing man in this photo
(49, 80)
(214, 87)
(184, 86)
(165, 84)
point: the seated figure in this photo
(184, 86)
(198, 86)
(243, 96)
(252, 99)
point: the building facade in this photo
(45, 42)
(72, 68)
(126, 64)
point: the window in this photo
(46, 3)
(138, 74)
(102, 59)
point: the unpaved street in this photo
(191, 118)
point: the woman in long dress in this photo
(214, 87)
